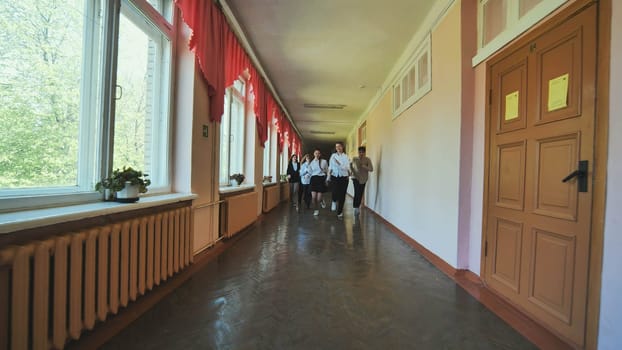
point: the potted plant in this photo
(237, 178)
(126, 184)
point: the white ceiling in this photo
(328, 52)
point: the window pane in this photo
(422, 65)
(266, 153)
(526, 5)
(224, 142)
(164, 7)
(141, 109)
(237, 137)
(396, 97)
(43, 90)
(405, 84)
(412, 80)
(494, 15)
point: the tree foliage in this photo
(40, 58)
(42, 92)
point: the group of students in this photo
(311, 177)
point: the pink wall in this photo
(468, 33)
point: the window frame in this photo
(515, 25)
(162, 104)
(97, 99)
(401, 86)
(233, 94)
(363, 134)
(267, 151)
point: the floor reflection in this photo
(301, 282)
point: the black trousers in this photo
(306, 194)
(359, 189)
(340, 187)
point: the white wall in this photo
(417, 155)
(610, 327)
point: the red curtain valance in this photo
(223, 60)
(208, 27)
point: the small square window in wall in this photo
(412, 80)
(422, 65)
(415, 81)
(396, 97)
(363, 134)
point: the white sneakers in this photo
(316, 212)
(333, 206)
(340, 216)
(323, 204)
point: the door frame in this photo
(601, 122)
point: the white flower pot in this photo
(129, 193)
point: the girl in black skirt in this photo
(318, 168)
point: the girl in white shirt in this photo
(305, 180)
(318, 168)
(339, 172)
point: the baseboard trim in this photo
(472, 284)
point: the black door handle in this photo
(581, 174)
(573, 174)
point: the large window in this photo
(284, 157)
(267, 152)
(232, 133)
(142, 101)
(58, 133)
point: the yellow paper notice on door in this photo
(558, 93)
(511, 106)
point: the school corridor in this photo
(149, 151)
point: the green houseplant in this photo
(125, 184)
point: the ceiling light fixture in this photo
(316, 132)
(324, 106)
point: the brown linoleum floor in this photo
(295, 281)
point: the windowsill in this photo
(234, 189)
(27, 219)
(269, 184)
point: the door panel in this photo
(513, 86)
(511, 174)
(557, 157)
(558, 58)
(552, 269)
(507, 260)
(538, 228)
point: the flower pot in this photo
(234, 183)
(129, 194)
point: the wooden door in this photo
(541, 119)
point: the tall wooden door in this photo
(541, 126)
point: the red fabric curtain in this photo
(208, 27)
(222, 60)
(236, 59)
(261, 111)
(236, 62)
(280, 129)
